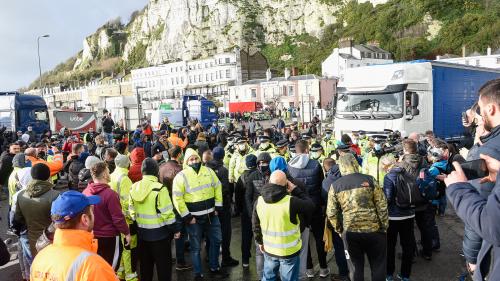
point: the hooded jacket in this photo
(109, 219)
(73, 167)
(309, 172)
(5, 166)
(33, 209)
(227, 188)
(300, 205)
(136, 157)
(390, 189)
(330, 177)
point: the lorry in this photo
(75, 121)
(244, 107)
(408, 97)
(19, 111)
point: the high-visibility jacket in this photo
(369, 167)
(55, 164)
(72, 256)
(286, 155)
(227, 156)
(320, 159)
(13, 183)
(121, 183)
(271, 150)
(329, 145)
(194, 193)
(237, 165)
(150, 205)
(281, 237)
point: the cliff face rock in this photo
(179, 29)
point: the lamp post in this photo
(39, 63)
(139, 106)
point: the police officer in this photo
(121, 184)
(237, 163)
(151, 208)
(317, 153)
(370, 160)
(197, 196)
(229, 149)
(265, 146)
(328, 142)
(282, 150)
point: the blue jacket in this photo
(309, 172)
(331, 176)
(390, 182)
(483, 216)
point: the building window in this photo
(254, 93)
(369, 55)
(199, 78)
(211, 64)
(228, 73)
(290, 91)
(352, 65)
(171, 81)
(176, 80)
(182, 80)
(206, 65)
(467, 62)
(228, 60)
(206, 77)
(220, 74)
(217, 75)
(190, 79)
(199, 66)
(498, 60)
(212, 76)
(477, 63)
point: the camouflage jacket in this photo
(357, 204)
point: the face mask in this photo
(242, 147)
(355, 141)
(292, 154)
(41, 154)
(264, 169)
(328, 136)
(196, 166)
(377, 147)
(315, 155)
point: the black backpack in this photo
(408, 194)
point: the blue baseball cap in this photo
(71, 203)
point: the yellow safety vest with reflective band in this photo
(121, 183)
(281, 237)
(196, 193)
(155, 210)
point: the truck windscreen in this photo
(370, 106)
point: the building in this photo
(302, 93)
(490, 60)
(210, 77)
(350, 55)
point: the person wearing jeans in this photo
(287, 268)
(210, 226)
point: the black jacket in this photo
(107, 125)
(73, 167)
(223, 175)
(239, 193)
(309, 172)
(300, 204)
(5, 167)
(253, 187)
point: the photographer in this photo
(480, 214)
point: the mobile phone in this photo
(475, 169)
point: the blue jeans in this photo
(288, 269)
(109, 138)
(211, 228)
(27, 258)
(179, 247)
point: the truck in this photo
(19, 111)
(75, 121)
(408, 97)
(244, 107)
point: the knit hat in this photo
(264, 156)
(91, 161)
(278, 163)
(120, 146)
(251, 161)
(19, 160)
(40, 171)
(150, 167)
(122, 161)
(218, 153)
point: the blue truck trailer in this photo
(19, 111)
(409, 97)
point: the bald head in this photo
(30, 152)
(278, 177)
(414, 136)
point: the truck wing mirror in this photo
(415, 111)
(414, 100)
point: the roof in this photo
(370, 48)
(347, 56)
(280, 79)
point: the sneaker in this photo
(310, 273)
(199, 277)
(324, 272)
(245, 265)
(229, 262)
(218, 274)
(183, 267)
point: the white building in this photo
(350, 55)
(490, 60)
(209, 77)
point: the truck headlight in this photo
(398, 74)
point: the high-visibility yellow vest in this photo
(155, 210)
(281, 237)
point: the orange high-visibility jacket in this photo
(55, 165)
(72, 256)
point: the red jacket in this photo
(136, 157)
(109, 219)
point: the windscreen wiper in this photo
(390, 114)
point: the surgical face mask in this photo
(264, 168)
(355, 141)
(242, 147)
(377, 146)
(292, 154)
(328, 136)
(196, 166)
(315, 155)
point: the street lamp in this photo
(39, 64)
(138, 103)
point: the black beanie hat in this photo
(150, 167)
(251, 161)
(40, 171)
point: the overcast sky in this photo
(67, 21)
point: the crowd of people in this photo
(109, 205)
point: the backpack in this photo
(428, 186)
(408, 194)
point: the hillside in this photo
(288, 32)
